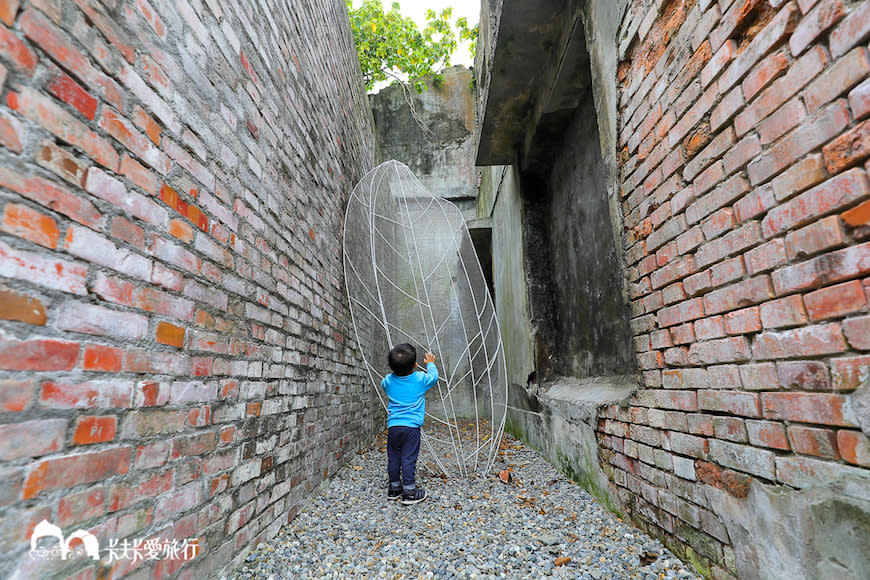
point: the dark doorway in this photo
(576, 279)
(481, 237)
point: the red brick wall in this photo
(174, 360)
(744, 144)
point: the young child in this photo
(405, 390)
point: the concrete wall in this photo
(174, 355)
(434, 134)
(500, 198)
(590, 321)
(431, 132)
(559, 282)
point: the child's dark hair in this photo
(402, 359)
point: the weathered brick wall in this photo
(744, 142)
(174, 354)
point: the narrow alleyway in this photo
(538, 524)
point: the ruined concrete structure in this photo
(435, 134)
(679, 207)
(436, 138)
(674, 203)
(176, 350)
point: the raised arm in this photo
(431, 370)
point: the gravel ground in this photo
(538, 524)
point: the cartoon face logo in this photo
(45, 529)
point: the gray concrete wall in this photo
(592, 334)
(431, 132)
(560, 422)
(744, 464)
(500, 197)
(557, 419)
(559, 283)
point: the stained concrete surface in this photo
(560, 422)
(857, 408)
(592, 334)
(438, 145)
(509, 277)
(806, 534)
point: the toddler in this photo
(406, 388)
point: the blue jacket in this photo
(407, 396)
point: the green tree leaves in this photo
(390, 46)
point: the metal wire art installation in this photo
(413, 276)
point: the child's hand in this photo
(429, 358)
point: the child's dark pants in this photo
(403, 446)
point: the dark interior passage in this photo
(575, 274)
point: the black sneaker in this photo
(394, 494)
(414, 496)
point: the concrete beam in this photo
(527, 58)
(540, 73)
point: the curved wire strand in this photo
(404, 251)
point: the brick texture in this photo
(174, 336)
(765, 302)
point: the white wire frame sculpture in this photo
(412, 275)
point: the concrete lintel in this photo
(579, 399)
(479, 223)
(527, 59)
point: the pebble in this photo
(538, 525)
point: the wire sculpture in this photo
(412, 275)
